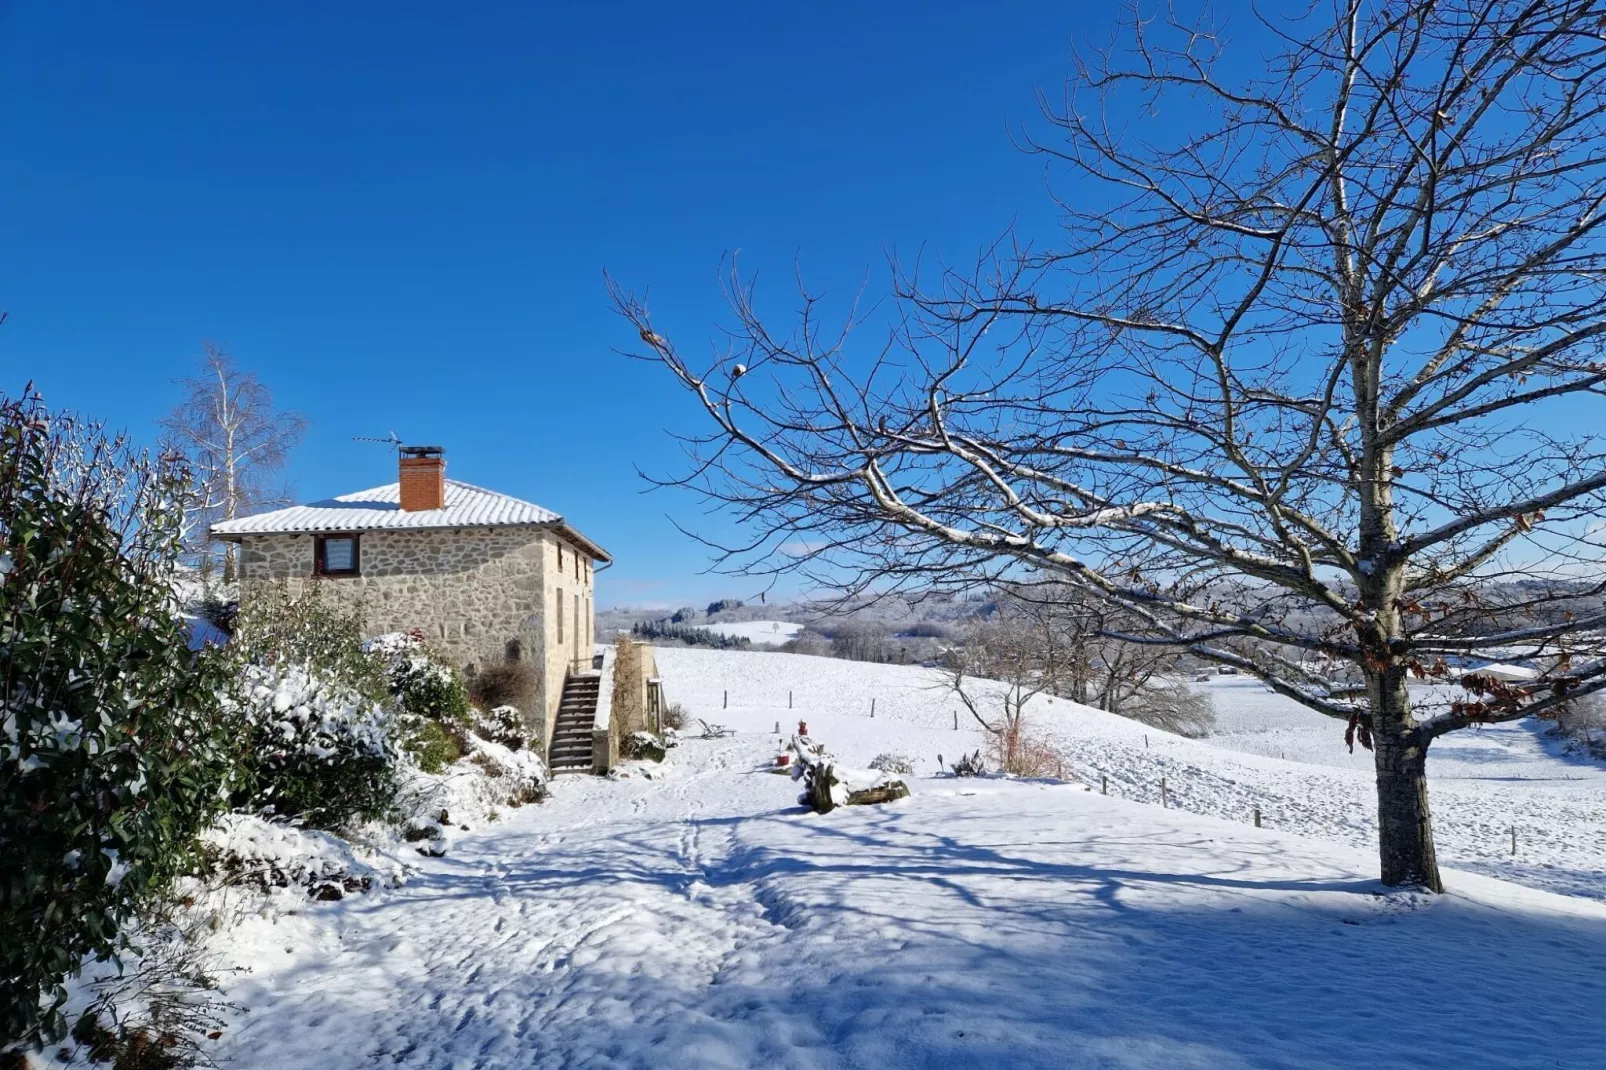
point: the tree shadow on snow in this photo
(787, 941)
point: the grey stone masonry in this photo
(480, 595)
(471, 592)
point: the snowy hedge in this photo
(245, 849)
(315, 750)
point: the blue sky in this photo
(399, 214)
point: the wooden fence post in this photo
(872, 707)
(1104, 784)
(727, 703)
(1257, 817)
(1165, 799)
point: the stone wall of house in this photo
(473, 592)
(567, 585)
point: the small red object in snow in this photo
(783, 759)
(802, 728)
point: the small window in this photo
(335, 555)
(514, 651)
(560, 559)
(560, 614)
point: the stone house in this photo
(485, 577)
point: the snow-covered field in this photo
(702, 919)
(758, 632)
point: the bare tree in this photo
(860, 640)
(1139, 680)
(1000, 665)
(1299, 390)
(236, 442)
(1168, 703)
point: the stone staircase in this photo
(570, 751)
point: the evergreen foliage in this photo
(316, 750)
(281, 626)
(669, 631)
(113, 753)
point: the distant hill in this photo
(898, 613)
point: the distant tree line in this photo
(669, 630)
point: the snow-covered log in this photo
(827, 785)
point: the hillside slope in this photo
(1483, 783)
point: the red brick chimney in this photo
(423, 478)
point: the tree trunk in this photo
(1405, 829)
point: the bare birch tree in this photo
(1305, 390)
(235, 441)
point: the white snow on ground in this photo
(703, 919)
(759, 632)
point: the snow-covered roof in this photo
(379, 509)
(1510, 673)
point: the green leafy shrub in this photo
(425, 688)
(430, 745)
(420, 685)
(431, 701)
(316, 750)
(282, 626)
(113, 751)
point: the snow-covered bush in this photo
(642, 747)
(422, 686)
(315, 749)
(112, 755)
(470, 791)
(519, 776)
(501, 724)
(893, 763)
(243, 849)
(432, 704)
(279, 626)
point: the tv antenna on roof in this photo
(393, 440)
